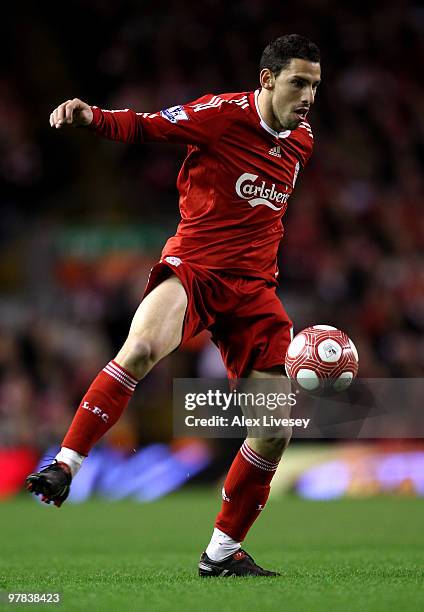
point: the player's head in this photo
(290, 73)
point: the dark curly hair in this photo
(278, 54)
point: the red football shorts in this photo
(244, 315)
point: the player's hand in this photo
(72, 112)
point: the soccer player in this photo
(218, 272)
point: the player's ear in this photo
(267, 78)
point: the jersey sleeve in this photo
(198, 123)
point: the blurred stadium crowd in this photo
(83, 220)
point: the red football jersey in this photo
(234, 182)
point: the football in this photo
(322, 360)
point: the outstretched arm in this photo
(198, 123)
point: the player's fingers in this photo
(69, 112)
(59, 115)
(55, 118)
(61, 112)
(51, 120)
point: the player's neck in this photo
(266, 113)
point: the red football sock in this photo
(100, 408)
(245, 492)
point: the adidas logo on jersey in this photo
(275, 151)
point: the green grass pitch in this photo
(363, 554)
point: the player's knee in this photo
(139, 355)
(275, 446)
(144, 351)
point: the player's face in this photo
(293, 92)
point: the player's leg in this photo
(247, 485)
(156, 330)
(255, 339)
